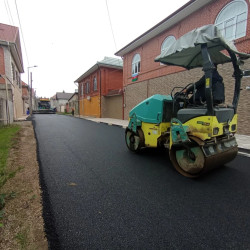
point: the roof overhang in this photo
(15, 54)
(187, 9)
(18, 60)
(94, 68)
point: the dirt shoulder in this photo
(23, 222)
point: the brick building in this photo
(142, 77)
(100, 90)
(72, 104)
(11, 66)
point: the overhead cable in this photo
(111, 25)
(22, 33)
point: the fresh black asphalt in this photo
(98, 195)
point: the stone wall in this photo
(137, 92)
(4, 104)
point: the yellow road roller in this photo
(192, 122)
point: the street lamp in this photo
(30, 84)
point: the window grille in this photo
(232, 20)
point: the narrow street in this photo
(98, 195)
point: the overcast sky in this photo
(65, 38)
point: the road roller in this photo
(193, 123)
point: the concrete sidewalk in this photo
(242, 140)
(109, 121)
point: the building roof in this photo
(8, 33)
(24, 84)
(63, 95)
(53, 97)
(75, 94)
(9, 36)
(171, 20)
(108, 62)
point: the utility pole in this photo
(30, 85)
(31, 94)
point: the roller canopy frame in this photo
(204, 47)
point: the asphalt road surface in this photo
(98, 195)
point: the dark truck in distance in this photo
(44, 107)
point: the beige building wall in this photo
(18, 102)
(15, 84)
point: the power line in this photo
(111, 25)
(7, 7)
(22, 33)
(11, 22)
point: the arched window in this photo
(136, 64)
(232, 20)
(167, 43)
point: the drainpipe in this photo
(8, 108)
(123, 102)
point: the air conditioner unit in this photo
(88, 98)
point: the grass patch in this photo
(22, 239)
(7, 134)
(21, 221)
(63, 113)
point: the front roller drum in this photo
(193, 163)
(134, 141)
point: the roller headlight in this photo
(216, 131)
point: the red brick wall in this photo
(151, 49)
(90, 79)
(2, 66)
(25, 91)
(108, 79)
(111, 80)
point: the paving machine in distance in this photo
(44, 107)
(199, 133)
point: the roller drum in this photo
(199, 159)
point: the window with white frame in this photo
(94, 84)
(167, 43)
(19, 81)
(87, 88)
(136, 64)
(17, 78)
(232, 20)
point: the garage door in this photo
(112, 107)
